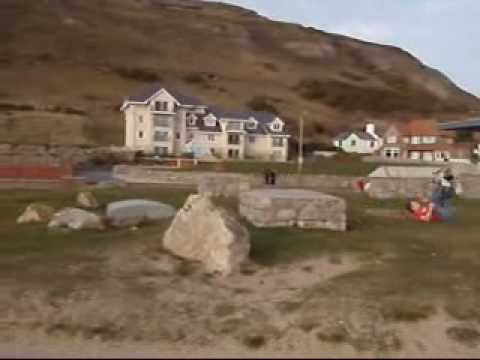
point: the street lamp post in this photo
(300, 146)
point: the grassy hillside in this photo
(65, 66)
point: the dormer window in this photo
(210, 120)
(277, 125)
(252, 124)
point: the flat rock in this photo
(204, 232)
(76, 219)
(293, 207)
(129, 213)
(36, 213)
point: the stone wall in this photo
(226, 183)
(471, 186)
(53, 155)
(391, 188)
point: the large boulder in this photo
(129, 213)
(293, 207)
(87, 200)
(36, 213)
(202, 231)
(76, 219)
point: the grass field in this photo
(342, 165)
(413, 271)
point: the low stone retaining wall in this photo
(226, 183)
(231, 184)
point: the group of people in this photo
(437, 208)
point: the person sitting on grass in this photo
(425, 210)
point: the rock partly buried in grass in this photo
(204, 232)
(87, 200)
(36, 213)
(76, 219)
(129, 213)
(293, 207)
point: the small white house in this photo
(359, 141)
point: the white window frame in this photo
(416, 140)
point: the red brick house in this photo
(422, 140)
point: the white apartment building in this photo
(164, 122)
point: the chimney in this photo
(370, 129)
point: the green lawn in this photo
(348, 165)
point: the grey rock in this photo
(133, 212)
(36, 213)
(293, 207)
(87, 200)
(204, 232)
(76, 219)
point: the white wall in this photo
(361, 146)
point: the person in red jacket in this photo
(424, 211)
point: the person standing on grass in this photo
(268, 174)
(273, 177)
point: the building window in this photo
(251, 139)
(177, 136)
(233, 139)
(416, 140)
(429, 140)
(372, 144)
(211, 138)
(160, 136)
(160, 150)
(233, 153)
(277, 142)
(140, 134)
(140, 119)
(161, 106)
(161, 121)
(276, 126)
(251, 125)
(353, 143)
(391, 140)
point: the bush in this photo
(16, 107)
(194, 78)
(263, 103)
(138, 74)
(350, 97)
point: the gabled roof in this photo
(361, 134)
(148, 91)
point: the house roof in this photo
(148, 91)
(361, 134)
(470, 124)
(263, 118)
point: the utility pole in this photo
(300, 146)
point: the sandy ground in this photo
(146, 308)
